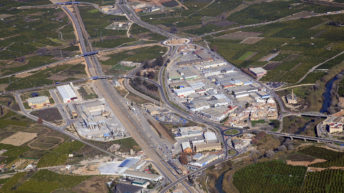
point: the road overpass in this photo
(306, 138)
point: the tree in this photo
(40, 121)
(183, 158)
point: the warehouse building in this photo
(67, 93)
(183, 92)
(38, 102)
(210, 136)
(258, 72)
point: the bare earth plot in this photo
(239, 35)
(19, 138)
(251, 40)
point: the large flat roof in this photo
(66, 91)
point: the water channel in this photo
(327, 95)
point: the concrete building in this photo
(192, 131)
(142, 175)
(206, 160)
(199, 105)
(217, 114)
(183, 92)
(124, 188)
(258, 72)
(72, 111)
(210, 136)
(38, 102)
(186, 147)
(334, 124)
(67, 93)
(188, 73)
(211, 64)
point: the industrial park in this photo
(134, 103)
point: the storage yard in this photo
(96, 121)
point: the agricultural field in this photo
(277, 176)
(300, 44)
(269, 11)
(273, 176)
(41, 182)
(137, 55)
(96, 23)
(202, 16)
(21, 46)
(67, 72)
(59, 155)
(12, 124)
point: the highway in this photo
(131, 15)
(113, 99)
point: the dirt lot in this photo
(239, 35)
(45, 142)
(51, 114)
(19, 138)
(304, 163)
(251, 40)
(268, 57)
(94, 184)
(272, 65)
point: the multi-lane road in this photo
(113, 99)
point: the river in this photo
(327, 95)
(219, 181)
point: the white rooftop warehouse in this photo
(67, 93)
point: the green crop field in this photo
(137, 55)
(276, 176)
(127, 144)
(269, 11)
(272, 176)
(19, 31)
(59, 155)
(302, 44)
(194, 16)
(247, 55)
(43, 77)
(42, 181)
(333, 158)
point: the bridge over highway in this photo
(306, 138)
(306, 114)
